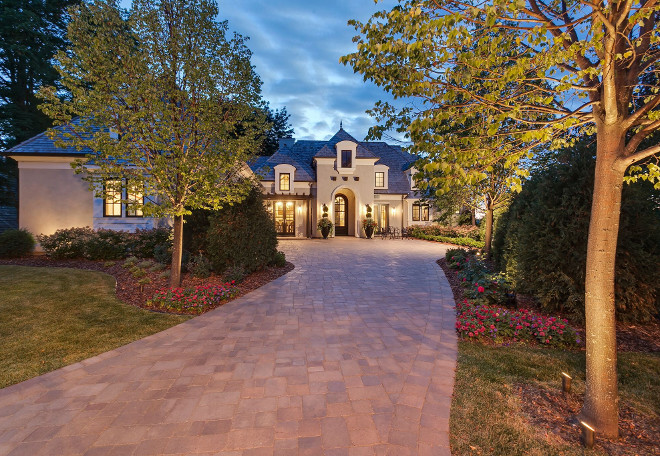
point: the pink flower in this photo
(481, 289)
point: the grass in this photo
(486, 415)
(53, 317)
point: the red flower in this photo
(481, 289)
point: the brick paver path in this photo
(352, 353)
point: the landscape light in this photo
(565, 383)
(587, 435)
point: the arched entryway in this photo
(341, 215)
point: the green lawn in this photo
(52, 317)
(486, 415)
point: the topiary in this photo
(541, 242)
(16, 243)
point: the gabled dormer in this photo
(346, 156)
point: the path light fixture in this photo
(565, 383)
(587, 435)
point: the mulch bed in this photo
(555, 414)
(131, 292)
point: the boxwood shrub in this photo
(16, 243)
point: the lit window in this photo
(420, 212)
(346, 159)
(112, 201)
(285, 182)
(380, 179)
(134, 198)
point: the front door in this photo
(341, 215)
(284, 215)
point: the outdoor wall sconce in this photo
(587, 435)
(565, 383)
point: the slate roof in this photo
(302, 153)
(43, 145)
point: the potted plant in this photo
(325, 225)
(369, 224)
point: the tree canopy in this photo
(164, 101)
(529, 72)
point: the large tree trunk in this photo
(601, 402)
(177, 252)
(488, 238)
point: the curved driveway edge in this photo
(351, 353)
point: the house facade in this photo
(345, 175)
(348, 177)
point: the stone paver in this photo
(352, 353)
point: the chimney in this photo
(287, 142)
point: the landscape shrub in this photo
(541, 242)
(192, 300)
(235, 273)
(199, 266)
(279, 260)
(461, 231)
(16, 243)
(103, 244)
(464, 241)
(66, 243)
(242, 235)
(144, 242)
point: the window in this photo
(285, 179)
(346, 159)
(420, 212)
(134, 197)
(112, 201)
(380, 179)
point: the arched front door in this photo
(341, 215)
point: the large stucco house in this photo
(346, 176)
(342, 173)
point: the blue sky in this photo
(296, 47)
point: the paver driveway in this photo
(352, 353)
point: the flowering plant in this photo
(480, 322)
(193, 300)
(368, 222)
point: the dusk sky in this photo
(297, 45)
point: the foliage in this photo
(30, 33)
(164, 101)
(102, 244)
(280, 127)
(324, 222)
(467, 231)
(192, 300)
(368, 222)
(482, 286)
(144, 241)
(541, 242)
(513, 77)
(476, 321)
(235, 273)
(279, 260)
(241, 235)
(16, 243)
(199, 266)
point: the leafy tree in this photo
(163, 101)
(541, 68)
(31, 31)
(280, 128)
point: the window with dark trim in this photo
(134, 197)
(112, 200)
(420, 212)
(346, 159)
(380, 179)
(285, 182)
